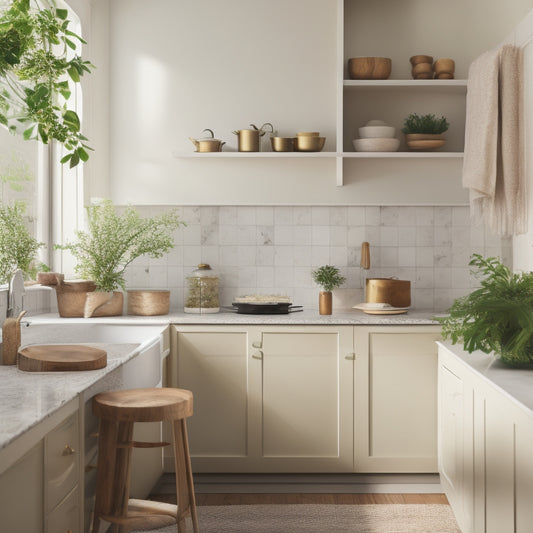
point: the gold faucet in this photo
(11, 339)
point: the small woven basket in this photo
(148, 302)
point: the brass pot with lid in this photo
(207, 144)
(249, 140)
(392, 291)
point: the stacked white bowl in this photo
(376, 136)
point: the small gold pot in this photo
(282, 144)
(395, 292)
(325, 304)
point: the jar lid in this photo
(204, 266)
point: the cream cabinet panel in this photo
(485, 458)
(524, 473)
(213, 365)
(306, 398)
(65, 517)
(62, 461)
(396, 399)
(21, 494)
(498, 445)
(452, 396)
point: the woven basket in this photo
(71, 296)
(148, 302)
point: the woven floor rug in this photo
(304, 518)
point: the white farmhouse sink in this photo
(76, 333)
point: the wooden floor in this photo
(348, 499)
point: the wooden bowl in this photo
(369, 68)
(415, 60)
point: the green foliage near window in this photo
(113, 240)
(429, 124)
(18, 248)
(328, 277)
(497, 317)
(37, 60)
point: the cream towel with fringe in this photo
(493, 160)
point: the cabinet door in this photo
(524, 473)
(62, 461)
(396, 399)
(65, 517)
(306, 399)
(453, 443)
(21, 494)
(213, 365)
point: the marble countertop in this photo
(515, 383)
(306, 317)
(27, 398)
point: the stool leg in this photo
(107, 440)
(122, 476)
(184, 481)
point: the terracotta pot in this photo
(103, 304)
(325, 303)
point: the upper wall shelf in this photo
(448, 85)
(217, 155)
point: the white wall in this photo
(168, 69)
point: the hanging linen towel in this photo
(492, 168)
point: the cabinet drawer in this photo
(66, 516)
(62, 456)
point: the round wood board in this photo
(61, 358)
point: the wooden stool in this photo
(118, 411)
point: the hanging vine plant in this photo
(38, 63)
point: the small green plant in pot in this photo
(112, 241)
(329, 278)
(424, 132)
(496, 318)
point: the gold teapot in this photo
(208, 144)
(249, 139)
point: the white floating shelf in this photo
(447, 85)
(408, 155)
(275, 155)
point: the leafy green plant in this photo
(497, 317)
(18, 248)
(328, 277)
(428, 124)
(113, 240)
(37, 60)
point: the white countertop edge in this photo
(310, 317)
(515, 383)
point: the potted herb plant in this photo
(496, 318)
(424, 132)
(329, 278)
(38, 63)
(112, 241)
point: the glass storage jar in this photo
(202, 291)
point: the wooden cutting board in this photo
(61, 358)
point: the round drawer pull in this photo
(68, 450)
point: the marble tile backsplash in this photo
(272, 250)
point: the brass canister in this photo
(395, 292)
(248, 140)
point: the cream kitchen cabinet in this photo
(485, 458)
(40, 492)
(396, 399)
(268, 399)
(282, 398)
